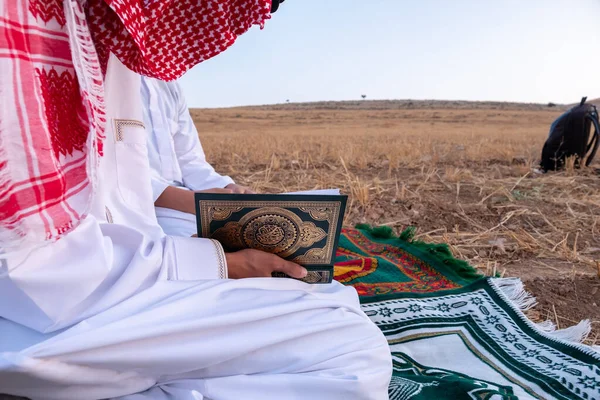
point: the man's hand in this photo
(250, 263)
(181, 199)
(239, 189)
(216, 190)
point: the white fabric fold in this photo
(176, 223)
(218, 339)
(193, 254)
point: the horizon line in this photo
(314, 102)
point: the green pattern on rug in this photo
(455, 334)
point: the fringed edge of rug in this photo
(440, 251)
(513, 291)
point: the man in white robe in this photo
(117, 309)
(178, 163)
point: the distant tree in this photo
(551, 104)
(287, 101)
(364, 96)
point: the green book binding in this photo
(303, 228)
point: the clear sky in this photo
(504, 50)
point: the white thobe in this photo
(116, 309)
(175, 152)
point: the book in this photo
(301, 227)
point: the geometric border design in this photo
(562, 369)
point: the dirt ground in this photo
(461, 173)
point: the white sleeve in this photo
(197, 173)
(159, 184)
(95, 267)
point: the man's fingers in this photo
(239, 189)
(291, 269)
(217, 190)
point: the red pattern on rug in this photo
(347, 271)
(410, 275)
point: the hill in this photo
(406, 105)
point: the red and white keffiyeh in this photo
(164, 38)
(52, 57)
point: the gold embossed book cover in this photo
(303, 228)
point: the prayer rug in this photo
(455, 334)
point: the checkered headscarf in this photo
(53, 54)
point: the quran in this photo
(302, 227)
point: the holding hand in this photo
(232, 188)
(250, 263)
(239, 189)
(216, 190)
(183, 200)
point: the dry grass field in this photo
(461, 173)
